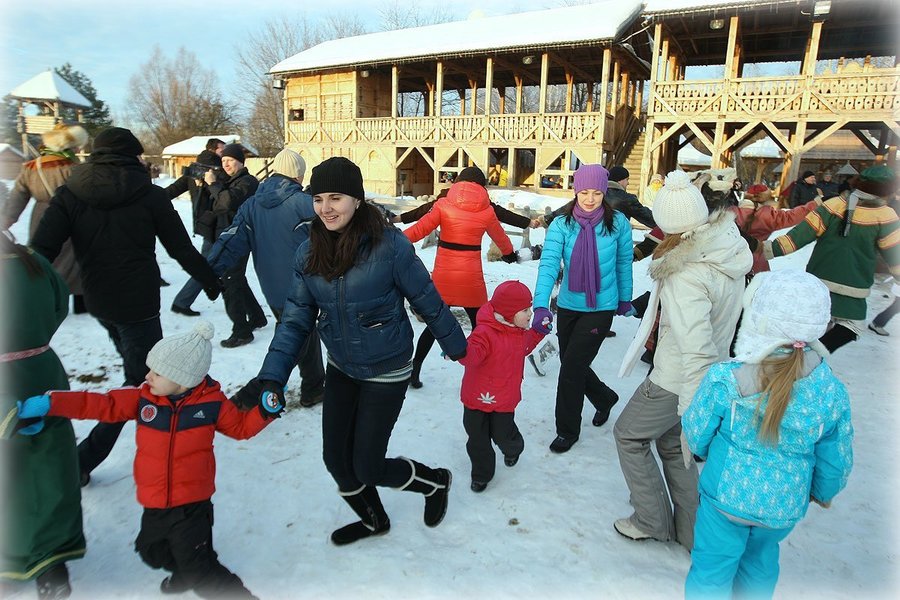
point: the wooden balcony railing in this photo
(873, 95)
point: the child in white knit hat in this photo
(178, 409)
(774, 425)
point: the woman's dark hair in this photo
(333, 254)
(609, 218)
(32, 266)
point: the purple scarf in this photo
(584, 266)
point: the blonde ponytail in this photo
(777, 375)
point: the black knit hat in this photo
(618, 173)
(807, 174)
(337, 175)
(473, 174)
(117, 140)
(235, 151)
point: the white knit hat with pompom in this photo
(679, 206)
(185, 358)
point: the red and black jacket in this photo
(174, 463)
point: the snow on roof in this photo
(569, 25)
(685, 6)
(691, 157)
(7, 148)
(197, 144)
(50, 86)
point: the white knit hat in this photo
(679, 206)
(780, 309)
(290, 164)
(185, 358)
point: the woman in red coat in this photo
(463, 216)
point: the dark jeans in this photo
(179, 540)
(887, 314)
(482, 427)
(309, 362)
(192, 288)
(357, 420)
(580, 336)
(240, 303)
(426, 340)
(133, 341)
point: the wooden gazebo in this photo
(51, 95)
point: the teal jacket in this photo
(614, 251)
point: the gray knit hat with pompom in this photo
(185, 358)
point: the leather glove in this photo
(271, 399)
(625, 310)
(542, 320)
(212, 291)
(33, 411)
(510, 258)
(455, 357)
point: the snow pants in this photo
(179, 540)
(651, 415)
(482, 427)
(731, 558)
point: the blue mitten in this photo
(33, 409)
(542, 320)
(271, 399)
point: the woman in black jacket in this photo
(350, 281)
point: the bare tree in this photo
(401, 15)
(175, 98)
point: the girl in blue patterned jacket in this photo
(774, 425)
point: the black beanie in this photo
(618, 173)
(337, 175)
(235, 151)
(807, 174)
(117, 140)
(473, 174)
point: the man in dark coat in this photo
(804, 190)
(204, 219)
(625, 203)
(228, 193)
(114, 214)
(828, 186)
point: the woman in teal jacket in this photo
(593, 243)
(774, 425)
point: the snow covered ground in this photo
(542, 529)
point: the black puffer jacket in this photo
(629, 205)
(113, 214)
(228, 193)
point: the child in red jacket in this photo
(492, 383)
(175, 479)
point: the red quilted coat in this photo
(174, 463)
(464, 215)
(495, 363)
(768, 220)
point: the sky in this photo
(108, 40)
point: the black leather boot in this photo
(374, 520)
(435, 485)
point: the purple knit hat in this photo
(591, 177)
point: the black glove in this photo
(456, 357)
(247, 397)
(271, 399)
(510, 258)
(212, 291)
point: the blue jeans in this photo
(189, 292)
(731, 558)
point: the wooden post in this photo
(501, 92)
(615, 91)
(639, 101)
(604, 82)
(488, 85)
(473, 86)
(654, 61)
(439, 85)
(511, 166)
(429, 110)
(545, 72)
(395, 86)
(812, 50)
(731, 54)
(760, 165)
(570, 83)
(625, 86)
(462, 102)
(519, 82)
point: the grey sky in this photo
(107, 40)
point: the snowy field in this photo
(542, 529)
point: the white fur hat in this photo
(679, 206)
(290, 164)
(65, 137)
(781, 308)
(185, 358)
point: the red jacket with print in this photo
(174, 463)
(495, 363)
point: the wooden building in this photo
(42, 102)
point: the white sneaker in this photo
(878, 330)
(628, 529)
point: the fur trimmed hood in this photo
(717, 244)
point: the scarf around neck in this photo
(584, 265)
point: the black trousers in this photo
(309, 363)
(240, 303)
(426, 341)
(133, 342)
(887, 314)
(358, 417)
(179, 540)
(580, 336)
(483, 427)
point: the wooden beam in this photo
(395, 79)
(473, 87)
(615, 89)
(654, 64)
(664, 60)
(570, 83)
(569, 67)
(812, 50)
(488, 85)
(604, 81)
(545, 71)
(518, 95)
(731, 53)
(865, 140)
(439, 84)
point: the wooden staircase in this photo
(633, 161)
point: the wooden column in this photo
(625, 86)
(570, 83)
(812, 50)
(473, 87)
(462, 102)
(395, 86)
(439, 89)
(501, 92)
(604, 82)
(488, 85)
(545, 72)
(519, 82)
(664, 61)
(650, 135)
(615, 89)
(429, 106)
(733, 50)
(639, 101)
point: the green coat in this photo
(41, 508)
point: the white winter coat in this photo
(699, 284)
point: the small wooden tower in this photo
(51, 94)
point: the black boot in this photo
(374, 520)
(414, 381)
(435, 485)
(53, 584)
(78, 305)
(836, 337)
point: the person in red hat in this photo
(492, 384)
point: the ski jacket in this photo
(174, 463)
(503, 215)
(360, 316)
(614, 254)
(113, 214)
(766, 220)
(495, 363)
(463, 216)
(272, 225)
(629, 205)
(802, 193)
(750, 479)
